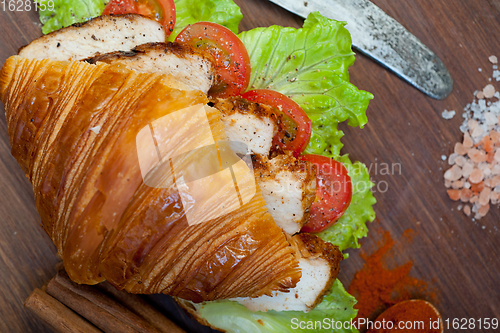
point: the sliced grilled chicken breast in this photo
(289, 188)
(319, 262)
(251, 123)
(100, 35)
(187, 65)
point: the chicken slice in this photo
(100, 35)
(288, 185)
(251, 123)
(289, 188)
(319, 262)
(192, 68)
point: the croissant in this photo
(74, 129)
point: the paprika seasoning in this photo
(416, 316)
(376, 287)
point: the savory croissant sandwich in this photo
(77, 104)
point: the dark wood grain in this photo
(456, 256)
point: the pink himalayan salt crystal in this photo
(467, 169)
(486, 143)
(495, 181)
(493, 59)
(454, 194)
(474, 199)
(452, 158)
(495, 136)
(472, 123)
(487, 181)
(476, 176)
(483, 165)
(460, 161)
(465, 195)
(477, 132)
(489, 91)
(480, 95)
(467, 210)
(495, 170)
(477, 187)
(460, 149)
(447, 183)
(454, 173)
(468, 143)
(483, 210)
(477, 155)
(458, 184)
(494, 196)
(497, 155)
(484, 196)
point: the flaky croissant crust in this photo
(72, 128)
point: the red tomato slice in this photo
(333, 193)
(168, 14)
(231, 57)
(161, 10)
(116, 7)
(298, 130)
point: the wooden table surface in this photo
(456, 256)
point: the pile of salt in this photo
(474, 176)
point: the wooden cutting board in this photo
(456, 256)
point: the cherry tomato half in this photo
(297, 131)
(231, 56)
(120, 7)
(161, 10)
(333, 193)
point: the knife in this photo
(378, 36)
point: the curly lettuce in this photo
(68, 12)
(223, 12)
(310, 65)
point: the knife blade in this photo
(381, 38)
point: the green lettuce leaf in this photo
(68, 12)
(224, 12)
(337, 306)
(310, 65)
(325, 138)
